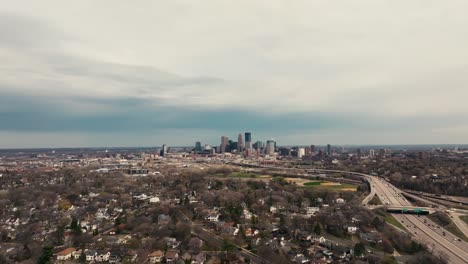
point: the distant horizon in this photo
(279, 145)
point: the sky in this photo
(144, 73)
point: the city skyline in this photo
(359, 73)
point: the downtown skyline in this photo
(360, 73)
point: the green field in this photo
(330, 185)
(312, 183)
(391, 220)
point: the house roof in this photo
(171, 254)
(66, 251)
(157, 253)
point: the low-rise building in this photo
(65, 254)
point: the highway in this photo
(438, 240)
(459, 222)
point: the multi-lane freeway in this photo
(437, 239)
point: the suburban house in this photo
(65, 254)
(156, 256)
(91, 255)
(102, 256)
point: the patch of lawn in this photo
(375, 201)
(330, 185)
(391, 220)
(312, 183)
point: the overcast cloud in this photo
(119, 73)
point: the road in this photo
(462, 225)
(438, 240)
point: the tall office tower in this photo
(224, 144)
(163, 151)
(248, 140)
(284, 151)
(359, 153)
(372, 152)
(312, 149)
(329, 150)
(232, 146)
(240, 143)
(258, 145)
(300, 152)
(270, 147)
(308, 153)
(198, 147)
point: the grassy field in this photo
(312, 183)
(331, 185)
(375, 201)
(391, 220)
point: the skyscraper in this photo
(270, 147)
(300, 152)
(198, 147)
(240, 143)
(328, 150)
(308, 152)
(248, 140)
(312, 149)
(224, 144)
(163, 151)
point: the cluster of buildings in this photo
(243, 145)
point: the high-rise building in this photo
(248, 137)
(308, 152)
(232, 146)
(372, 152)
(359, 153)
(163, 151)
(248, 140)
(329, 150)
(240, 143)
(312, 149)
(224, 144)
(284, 151)
(300, 152)
(270, 147)
(258, 145)
(198, 147)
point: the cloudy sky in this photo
(144, 73)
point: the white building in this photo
(300, 152)
(154, 199)
(270, 147)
